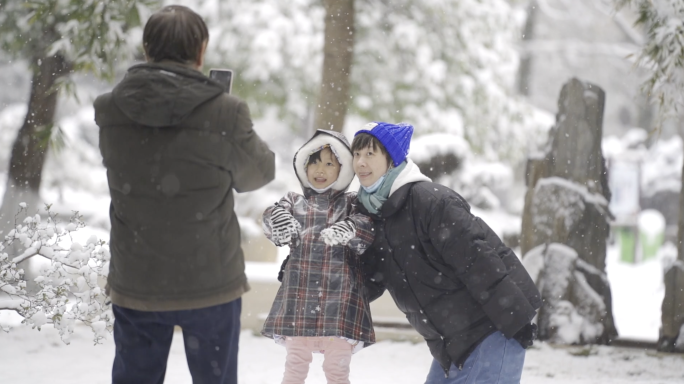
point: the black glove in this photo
(526, 335)
(282, 268)
(284, 227)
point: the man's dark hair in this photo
(175, 33)
(364, 140)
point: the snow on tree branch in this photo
(94, 36)
(444, 66)
(68, 288)
(663, 51)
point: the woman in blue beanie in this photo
(460, 287)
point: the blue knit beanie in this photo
(395, 137)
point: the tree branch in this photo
(10, 304)
(28, 253)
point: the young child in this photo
(320, 306)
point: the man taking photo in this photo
(175, 145)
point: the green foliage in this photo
(275, 49)
(663, 52)
(90, 34)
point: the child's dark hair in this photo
(364, 140)
(314, 157)
(175, 33)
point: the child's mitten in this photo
(339, 233)
(284, 227)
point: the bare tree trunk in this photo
(672, 316)
(338, 54)
(30, 146)
(525, 68)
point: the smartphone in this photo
(223, 76)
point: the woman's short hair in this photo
(175, 33)
(365, 140)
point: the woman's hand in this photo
(339, 233)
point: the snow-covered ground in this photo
(29, 356)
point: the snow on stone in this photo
(568, 323)
(533, 261)
(561, 267)
(558, 272)
(593, 198)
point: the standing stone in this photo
(671, 338)
(567, 203)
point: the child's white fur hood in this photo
(340, 148)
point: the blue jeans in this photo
(496, 360)
(143, 340)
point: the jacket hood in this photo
(410, 174)
(163, 94)
(339, 146)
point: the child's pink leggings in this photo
(337, 356)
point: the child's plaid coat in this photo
(322, 289)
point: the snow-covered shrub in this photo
(448, 159)
(444, 66)
(68, 287)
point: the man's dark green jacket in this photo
(175, 146)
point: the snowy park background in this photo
(585, 39)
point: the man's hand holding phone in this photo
(223, 76)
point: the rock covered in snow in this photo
(575, 295)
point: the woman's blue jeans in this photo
(496, 360)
